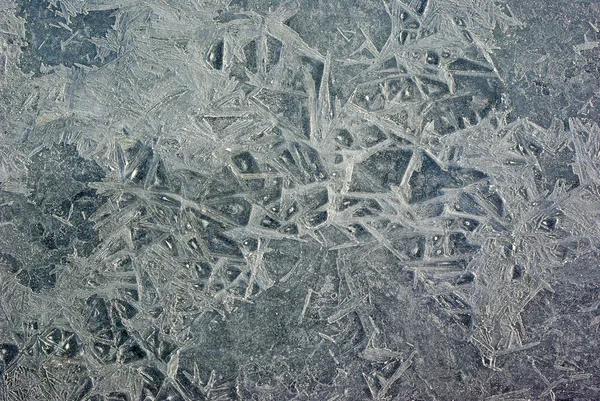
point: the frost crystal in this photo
(273, 200)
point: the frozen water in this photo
(299, 200)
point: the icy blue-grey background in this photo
(299, 200)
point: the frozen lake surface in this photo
(318, 200)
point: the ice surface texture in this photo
(299, 200)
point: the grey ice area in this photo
(362, 200)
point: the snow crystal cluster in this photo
(298, 200)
